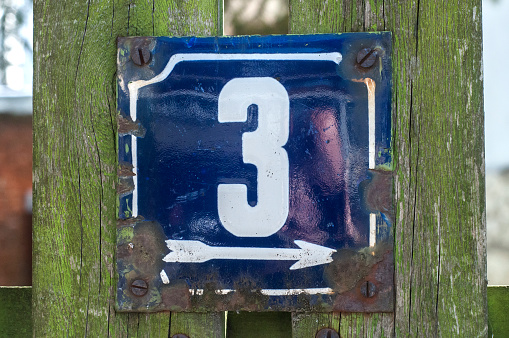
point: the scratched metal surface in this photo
(174, 153)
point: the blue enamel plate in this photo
(255, 173)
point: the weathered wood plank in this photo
(306, 325)
(75, 159)
(366, 325)
(346, 324)
(439, 252)
(498, 309)
(440, 255)
(198, 324)
(15, 311)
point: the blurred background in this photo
(495, 47)
(241, 17)
(16, 142)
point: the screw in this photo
(366, 57)
(180, 335)
(368, 289)
(139, 287)
(140, 56)
(327, 333)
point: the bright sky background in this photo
(19, 73)
(496, 73)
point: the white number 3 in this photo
(263, 148)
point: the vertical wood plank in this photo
(75, 159)
(199, 324)
(366, 325)
(438, 142)
(182, 18)
(306, 325)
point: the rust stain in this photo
(137, 41)
(247, 296)
(378, 193)
(125, 169)
(370, 84)
(128, 221)
(381, 275)
(176, 297)
(149, 248)
(126, 126)
(351, 269)
(125, 186)
(140, 258)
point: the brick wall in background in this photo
(15, 200)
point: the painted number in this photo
(263, 148)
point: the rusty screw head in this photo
(140, 56)
(368, 289)
(180, 335)
(366, 57)
(327, 333)
(139, 287)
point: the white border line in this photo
(271, 292)
(177, 58)
(371, 86)
(372, 230)
(134, 155)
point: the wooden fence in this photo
(16, 318)
(440, 233)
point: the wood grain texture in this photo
(438, 156)
(438, 144)
(306, 325)
(211, 325)
(75, 162)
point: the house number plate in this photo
(255, 173)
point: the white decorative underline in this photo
(371, 86)
(271, 292)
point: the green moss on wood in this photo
(498, 310)
(438, 143)
(75, 160)
(15, 311)
(306, 325)
(438, 161)
(199, 325)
